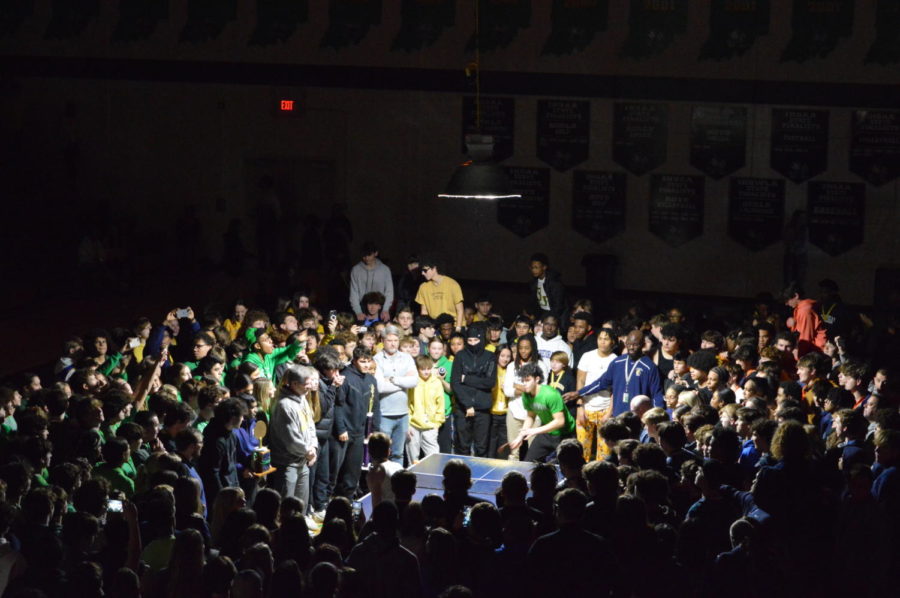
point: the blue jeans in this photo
(396, 427)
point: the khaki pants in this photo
(513, 427)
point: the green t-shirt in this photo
(129, 469)
(117, 478)
(268, 363)
(547, 402)
(157, 553)
(445, 363)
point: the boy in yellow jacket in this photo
(426, 412)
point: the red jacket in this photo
(808, 326)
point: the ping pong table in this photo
(486, 476)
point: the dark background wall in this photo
(126, 132)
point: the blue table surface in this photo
(486, 476)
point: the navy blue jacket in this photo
(326, 404)
(217, 464)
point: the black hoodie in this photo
(474, 372)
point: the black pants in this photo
(335, 459)
(471, 430)
(250, 486)
(498, 436)
(350, 468)
(445, 436)
(320, 477)
(542, 446)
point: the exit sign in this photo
(288, 107)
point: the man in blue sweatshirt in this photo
(355, 402)
(628, 376)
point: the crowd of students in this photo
(672, 456)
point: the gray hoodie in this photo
(292, 431)
(363, 280)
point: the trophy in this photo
(261, 460)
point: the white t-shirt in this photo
(514, 403)
(593, 367)
(390, 468)
(542, 299)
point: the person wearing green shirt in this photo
(265, 356)
(443, 364)
(547, 421)
(98, 348)
(116, 453)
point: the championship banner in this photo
(349, 22)
(755, 211)
(12, 14)
(499, 22)
(885, 50)
(799, 143)
(277, 20)
(207, 19)
(563, 132)
(68, 18)
(598, 204)
(138, 19)
(718, 139)
(531, 213)
(653, 26)
(676, 207)
(573, 25)
(734, 27)
(817, 27)
(498, 118)
(640, 136)
(422, 22)
(836, 215)
(875, 145)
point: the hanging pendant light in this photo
(479, 177)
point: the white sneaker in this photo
(318, 516)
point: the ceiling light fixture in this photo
(479, 177)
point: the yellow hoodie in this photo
(426, 404)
